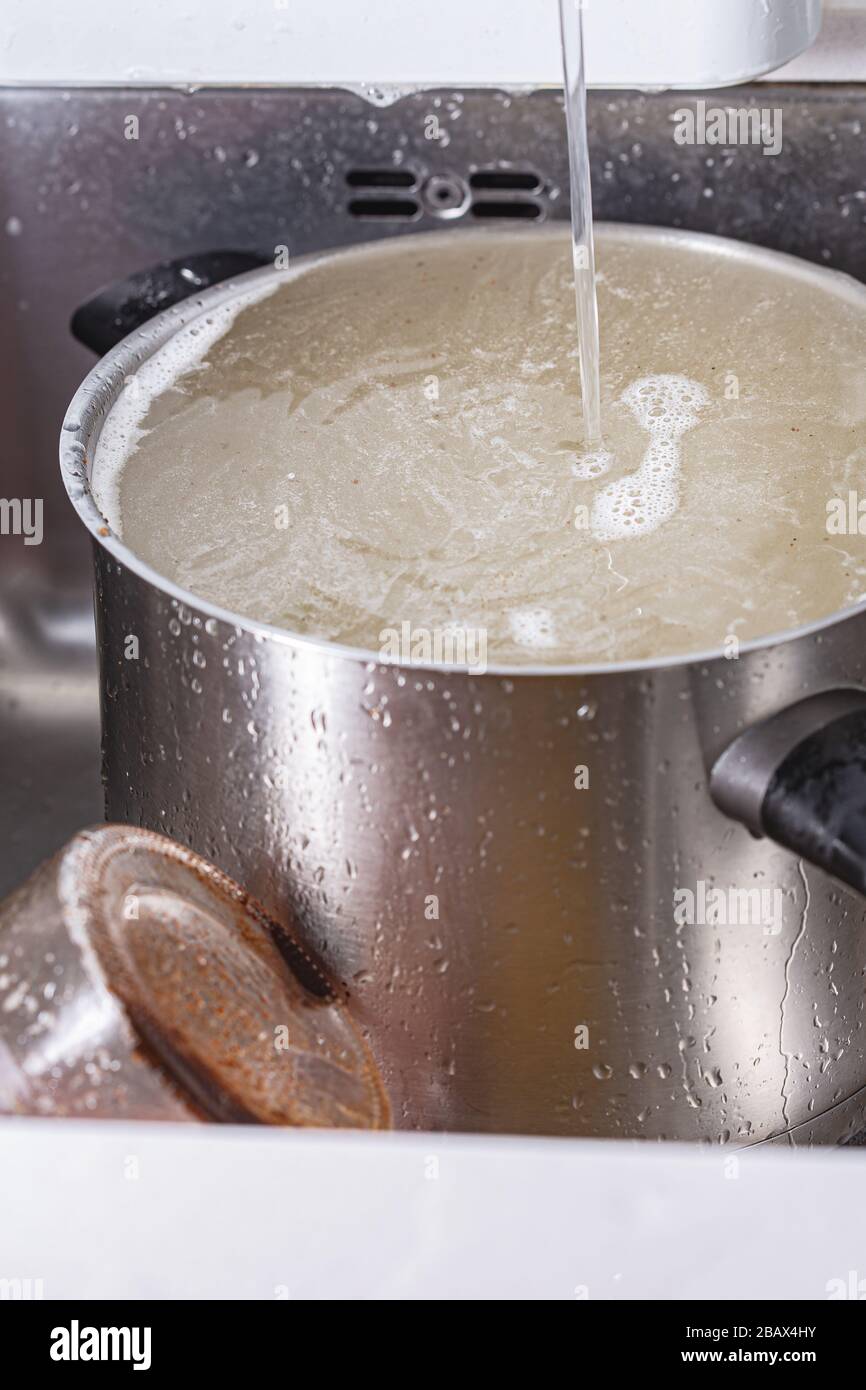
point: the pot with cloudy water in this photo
(594, 876)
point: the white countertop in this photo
(680, 43)
(111, 1210)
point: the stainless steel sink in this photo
(81, 205)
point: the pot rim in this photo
(98, 391)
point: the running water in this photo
(583, 248)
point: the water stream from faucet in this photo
(583, 248)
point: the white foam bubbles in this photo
(666, 406)
(122, 429)
(592, 465)
(532, 627)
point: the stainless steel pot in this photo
(511, 942)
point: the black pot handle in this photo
(799, 778)
(107, 318)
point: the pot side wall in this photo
(425, 834)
